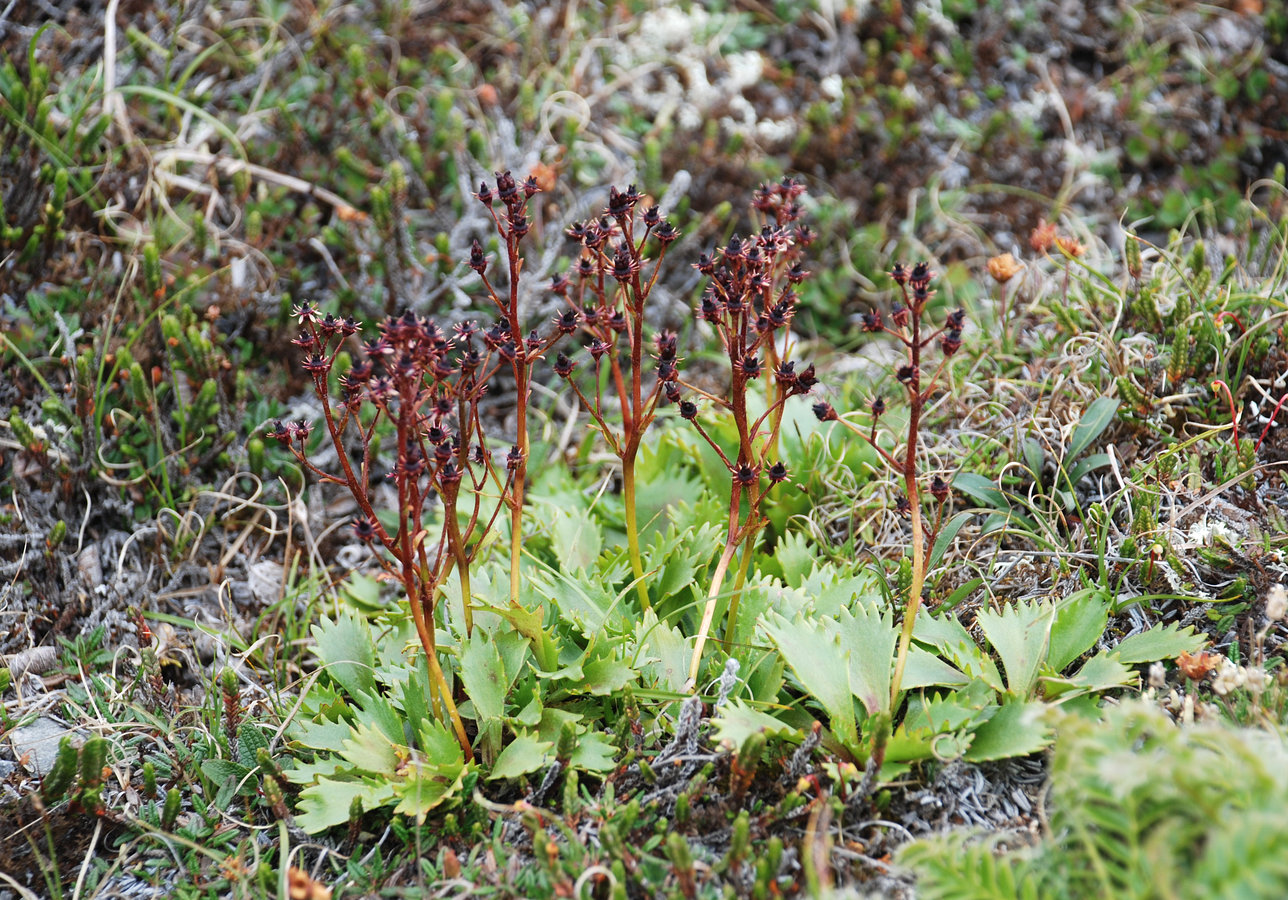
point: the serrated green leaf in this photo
(524, 755)
(575, 537)
(663, 653)
(820, 663)
(426, 787)
(1160, 642)
(606, 675)
(795, 557)
(594, 753)
(1080, 620)
(954, 643)
(1095, 419)
(347, 652)
(925, 669)
(869, 637)
(1100, 673)
(1020, 635)
(327, 803)
(484, 677)
(1016, 729)
(370, 750)
(736, 721)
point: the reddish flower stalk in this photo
(749, 301)
(521, 353)
(607, 300)
(908, 329)
(428, 385)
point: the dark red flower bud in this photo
(304, 340)
(956, 319)
(785, 374)
(365, 529)
(530, 187)
(484, 194)
(872, 321)
(279, 432)
(576, 231)
(825, 412)
(566, 321)
(749, 366)
(585, 267)
(710, 309)
(301, 429)
(666, 345)
(797, 273)
(899, 274)
(951, 342)
(506, 188)
(564, 366)
(560, 283)
(665, 233)
(921, 275)
(900, 314)
(901, 505)
(705, 264)
(939, 489)
(449, 473)
(805, 380)
(688, 410)
(777, 473)
(878, 407)
(316, 365)
(666, 370)
(597, 348)
(305, 312)
(671, 392)
(478, 262)
(513, 458)
(518, 222)
(617, 321)
(745, 475)
(624, 266)
(651, 217)
(906, 374)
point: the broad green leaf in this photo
(662, 652)
(347, 652)
(427, 787)
(363, 593)
(370, 750)
(820, 663)
(575, 536)
(524, 755)
(606, 675)
(1100, 673)
(327, 803)
(594, 753)
(1160, 642)
(1080, 620)
(736, 721)
(1020, 635)
(925, 669)
(1087, 465)
(322, 734)
(869, 637)
(484, 677)
(1016, 729)
(439, 744)
(955, 644)
(1095, 419)
(795, 558)
(979, 488)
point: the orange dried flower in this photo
(301, 886)
(1071, 246)
(1003, 268)
(1195, 666)
(1042, 237)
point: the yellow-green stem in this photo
(740, 579)
(633, 532)
(709, 612)
(914, 590)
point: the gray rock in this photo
(36, 745)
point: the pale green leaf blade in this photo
(869, 637)
(594, 753)
(327, 803)
(524, 755)
(1017, 729)
(347, 652)
(483, 674)
(1019, 634)
(1160, 642)
(736, 721)
(1080, 620)
(819, 662)
(926, 669)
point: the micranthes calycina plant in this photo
(428, 386)
(909, 330)
(607, 291)
(749, 302)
